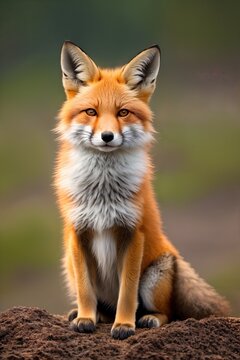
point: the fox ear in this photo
(77, 68)
(141, 72)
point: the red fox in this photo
(118, 262)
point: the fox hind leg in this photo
(152, 320)
(156, 285)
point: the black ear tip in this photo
(68, 43)
(156, 46)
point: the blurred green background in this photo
(196, 155)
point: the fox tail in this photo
(193, 297)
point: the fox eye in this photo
(123, 112)
(91, 112)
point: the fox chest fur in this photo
(102, 188)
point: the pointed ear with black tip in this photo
(141, 72)
(77, 68)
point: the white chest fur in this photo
(102, 186)
(105, 252)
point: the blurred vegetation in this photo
(203, 158)
(196, 105)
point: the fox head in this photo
(107, 109)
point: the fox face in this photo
(107, 110)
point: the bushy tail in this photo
(193, 297)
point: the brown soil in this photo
(32, 333)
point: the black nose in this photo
(107, 136)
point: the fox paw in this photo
(83, 325)
(148, 321)
(122, 331)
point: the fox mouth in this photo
(107, 147)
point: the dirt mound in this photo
(32, 333)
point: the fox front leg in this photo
(85, 319)
(124, 324)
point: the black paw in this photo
(83, 325)
(148, 321)
(72, 315)
(122, 331)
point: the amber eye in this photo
(91, 112)
(123, 112)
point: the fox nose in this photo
(107, 136)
